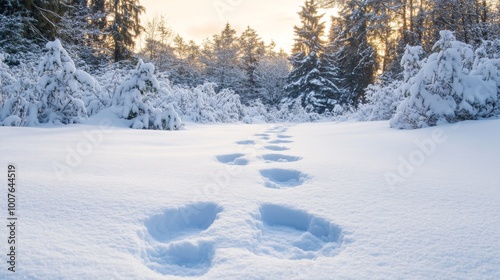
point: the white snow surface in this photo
(211, 202)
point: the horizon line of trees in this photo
(330, 67)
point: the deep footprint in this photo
(284, 136)
(232, 159)
(172, 248)
(280, 158)
(282, 178)
(263, 136)
(296, 234)
(246, 142)
(280, 141)
(276, 148)
(177, 223)
(182, 258)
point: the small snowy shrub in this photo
(62, 87)
(203, 104)
(382, 100)
(444, 91)
(17, 99)
(292, 111)
(139, 98)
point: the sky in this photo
(200, 19)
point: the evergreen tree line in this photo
(330, 69)
(98, 30)
(367, 40)
(243, 63)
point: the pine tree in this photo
(124, 27)
(220, 57)
(307, 82)
(331, 71)
(355, 56)
(140, 100)
(252, 50)
(61, 87)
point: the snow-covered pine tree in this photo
(411, 62)
(18, 95)
(355, 56)
(140, 99)
(331, 71)
(306, 82)
(252, 50)
(11, 109)
(61, 87)
(124, 27)
(487, 66)
(443, 91)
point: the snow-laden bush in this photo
(293, 111)
(487, 64)
(382, 100)
(445, 90)
(137, 99)
(17, 98)
(62, 87)
(256, 112)
(203, 104)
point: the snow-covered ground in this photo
(307, 201)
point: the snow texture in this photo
(139, 205)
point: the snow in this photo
(101, 200)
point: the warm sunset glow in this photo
(199, 19)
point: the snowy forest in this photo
(417, 63)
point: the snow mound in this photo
(295, 234)
(277, 178)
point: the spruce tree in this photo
(355, 56)
(252, 51)
(307, 82)
(124, 27)
(220, 56)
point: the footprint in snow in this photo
(280, 141)
(284, 136)
(280, 158)
(174, 246)
(246, 142)
(276, 148)
(289, 233)
(263, 136)
(232, 159)
(277, 178)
